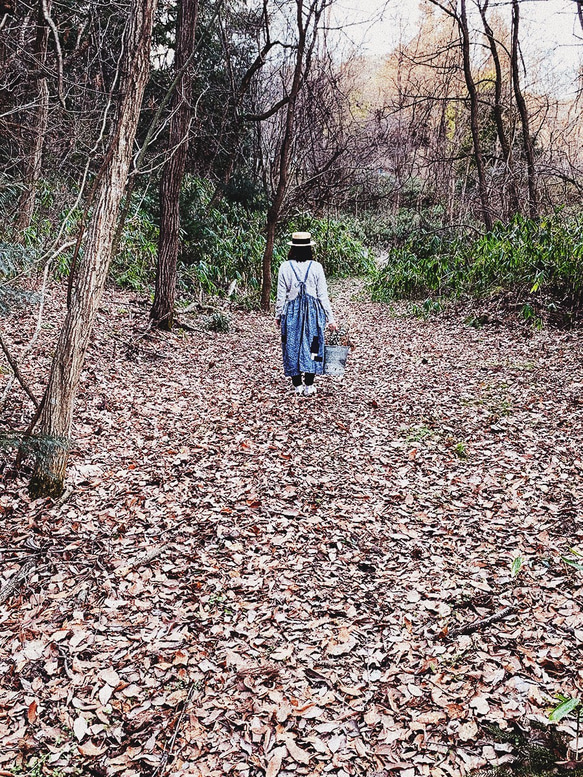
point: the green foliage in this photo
(571, 561)
(14, 260)
(428, 308)
(218, 322)
(380, 230)
(461, 450)
(222, 241)
(134, 264)
(565, 707)
(38, 445)
(516, 566)
(476, 322)
(418, 433)
(339, 244)
(533, 259)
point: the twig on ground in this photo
(132, 343)
(15, 581)
(477, 625)
(168, 752)
(144, 558)
(199, 306)
(188, 327)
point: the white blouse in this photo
(288, 286)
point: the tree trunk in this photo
(39, 124)
(59, 398)
(505, 144)
(272, 216)
(474, 118)
(284, 153)
(523, 112)
(162, 312)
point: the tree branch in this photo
(476, 625)
(263, 116)
(18, 375)
(48, 19)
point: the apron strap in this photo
(294, 272)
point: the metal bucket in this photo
(335, 357)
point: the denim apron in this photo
(302, 331)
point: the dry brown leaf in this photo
(80, 728)
(269, 561)
(105, 694)
(90, 749)
(31, 712)
(436, 716)
(480, 705)
(341, 648)
(110, 676)
(275, 761)
(468, 731)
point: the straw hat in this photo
(301, 239)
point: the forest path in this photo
(290, 571)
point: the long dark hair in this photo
(300, 253)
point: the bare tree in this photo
(307, 27)
(505, 144)
(57, 406)
(528, 144)
(580, 12)
(461, 19)
(39, 121)
(162, 312)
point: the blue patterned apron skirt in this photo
(302, 332)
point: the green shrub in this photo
(218, 322)
(134, 263)
(221, 242)
(339, 244)
(527, 257)
(384, 230)
(225, 241)
(15, 259)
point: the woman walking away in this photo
(301, 312)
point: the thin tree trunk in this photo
(162, 312)
(499, 115)
(523, 113)
(58, 401)
(284, 154)
(39, 125)
(474, 118)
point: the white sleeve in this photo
(322, 293)
(281, 292)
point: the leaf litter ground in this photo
(244, 582)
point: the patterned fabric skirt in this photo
(302, 336)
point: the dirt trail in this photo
(245, 582)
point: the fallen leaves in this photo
(80, 728)
(266, 586)
(275, 761)
(468, 731)
(91, 750)
(343, 644)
